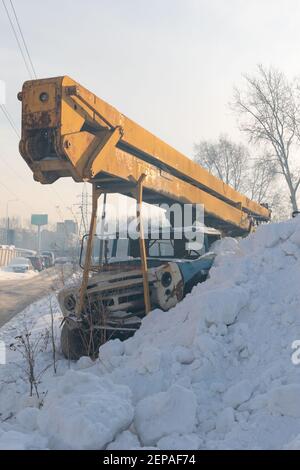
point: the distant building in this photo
(62, 241)
(71, 227)
(48, 240)
(60, 229)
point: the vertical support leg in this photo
(142, 244)
(103, 216)
(87, 262)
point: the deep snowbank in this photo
(215, 372)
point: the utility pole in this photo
(7, 219)
(39, 240)
(39, 220)
(83, 211)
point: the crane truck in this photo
(67, 131)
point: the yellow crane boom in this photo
(67, 131)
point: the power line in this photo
(17, 174)
(73, 214)
(28, 64)
(4, 160)
(17, 39)
(10, 120)
(52, 188)
(22, 36)
(15, 195)
(58, 195)
(8, 189)
(83, 210)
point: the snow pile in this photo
(215, 372)
(73, 406)
(156, 415)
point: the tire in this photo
(75, 343)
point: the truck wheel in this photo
(76, 343)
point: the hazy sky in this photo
(168, 64)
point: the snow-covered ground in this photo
(215, 372)
(6, 274)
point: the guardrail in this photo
(24, 252)
(7, 253)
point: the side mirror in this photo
(81, 260)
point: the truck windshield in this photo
(105, 250)
(161, 248)
(110, 250)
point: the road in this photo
(15, 295)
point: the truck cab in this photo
(114, 302)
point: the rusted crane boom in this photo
(67, 131)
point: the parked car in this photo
(47, 261)
(20, 265)
(62, 260)
(37, 262)
(50, 255)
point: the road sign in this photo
(39, 219)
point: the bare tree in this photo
(232, 163)
(269, 114)
(225, 159)
(260, 179)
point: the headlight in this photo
(44, 97)
(166, 279)
(70, 302)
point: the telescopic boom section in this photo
(69, 131)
